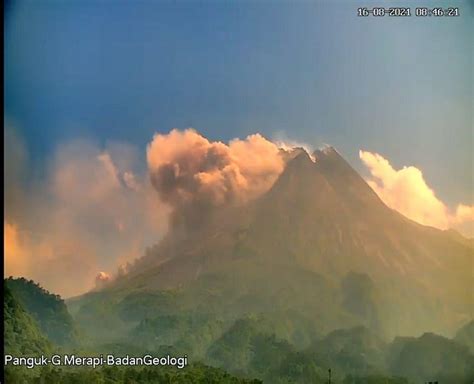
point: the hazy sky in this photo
(311, 71)
(89, 83)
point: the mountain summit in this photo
(320, 244)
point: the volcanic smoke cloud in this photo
(97, 208)
(93, 210)
(193, 174)
(102, 279)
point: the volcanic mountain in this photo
(317, 252)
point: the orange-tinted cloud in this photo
(464, 213)
(14, 254)
(406, 191)
(189, 170)
(95, 212)
(92, 212)
(102, 279)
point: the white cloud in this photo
(406, 191)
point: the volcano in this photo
(317, 252)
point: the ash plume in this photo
(195, 175)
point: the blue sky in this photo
(310, 71)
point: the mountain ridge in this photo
(319, 217)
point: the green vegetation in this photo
(24, 337)
(432, 357)
(49, 310)
(356, 351)
(248, 348)
(21, 333)
(194, 374)
(253, 346)
(188, 333)
(317, 274)
(374, 379)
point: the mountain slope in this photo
(292, 249)
(465, 336)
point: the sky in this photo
(102, 78)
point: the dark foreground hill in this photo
(48, 310)
(22, 335)
(28, 333)
(248, 348)
(431, 358)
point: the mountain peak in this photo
(291, 154)
(327, 153)
(327, 150)
(301, 163)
